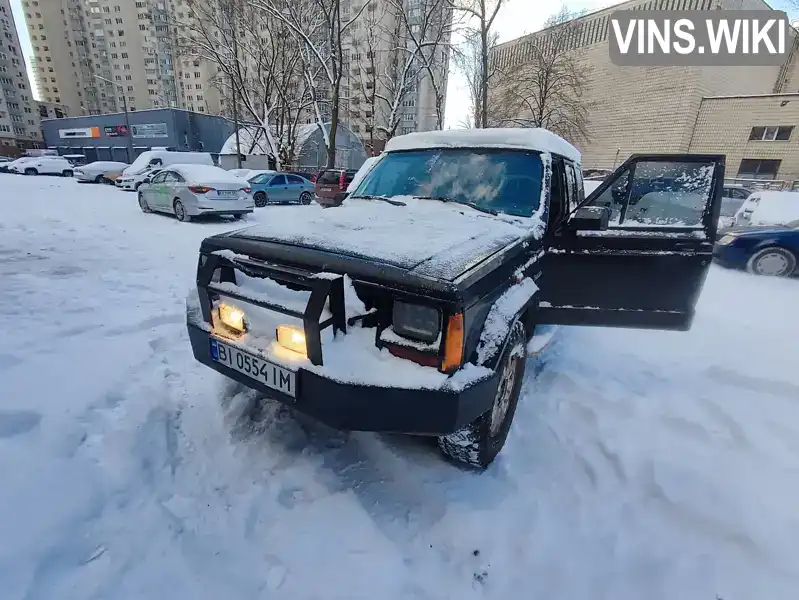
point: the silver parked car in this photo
(192, 190)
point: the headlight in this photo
(417, 322)
(292, 338)
(232, 317)
(726, 240)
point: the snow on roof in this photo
(205, 173)
(536, 139)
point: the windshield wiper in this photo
(469, 204)
(383, 199)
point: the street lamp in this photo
(127, 117)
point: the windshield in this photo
(497, 180)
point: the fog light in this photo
(291, 338)
(232, 317)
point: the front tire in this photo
(306, 198)
(99, 179)
(67, 173)
(260, 199)
(774, 262)
(180, 212)
(31, 172)
(479, 443)
(143, 204)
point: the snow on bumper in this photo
(360, 387)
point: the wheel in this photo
(143, 203)
(305, 198)
(479, 443)
(31, 172)
(67, 173)
(774, 261)
(180, 211)
(98, 179)
(237, 217)
(260, 199)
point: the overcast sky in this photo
(516, 18)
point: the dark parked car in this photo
(409, 307)
(766, 250)
(331, 184)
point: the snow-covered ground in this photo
(640, 464)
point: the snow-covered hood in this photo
(427, 237)
(765, 229)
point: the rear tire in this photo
(67, 173)
(306, 198)
(143, 204)
(260, 199)
(180, 211)
(31, 172)
(98, 179)
(479, 443)
(773, 261)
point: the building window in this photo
(752, 168)
(779, 133)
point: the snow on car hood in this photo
(431, 238)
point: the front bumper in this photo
(357, 407)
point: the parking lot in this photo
(641, 464)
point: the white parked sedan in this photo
(100, 171)
(15, 166)
(47, 165)
(192, 190)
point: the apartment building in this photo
(19, 118)
(101, 56)
(677, 109)
(375, 54)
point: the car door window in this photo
(574, 187)
(661, 193)
(259, 179)
(277, 181)
(294, 180)
(159, 178)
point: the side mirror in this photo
(590, 218)
(146, 180)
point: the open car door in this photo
(635, 253)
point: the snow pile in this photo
(436, 238)
(501, 316)
(536, 139)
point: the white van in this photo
(768, 208)
(151, 160)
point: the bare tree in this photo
(319, 27)
(545, 89)
(480, 38)
(427, 28)
(257, 65)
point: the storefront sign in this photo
(116, 131)
(150, 130)
(84, 132)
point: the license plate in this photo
(260, 370)
(227, 193)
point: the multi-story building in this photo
(677, 109)
(100, 56)
(51, 110)
(19, 118)
(378, 91)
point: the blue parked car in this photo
(764, 250)
(281, 188)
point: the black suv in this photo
(409, 307)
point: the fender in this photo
(508, 309)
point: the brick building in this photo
(680, 109)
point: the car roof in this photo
(536, 139)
